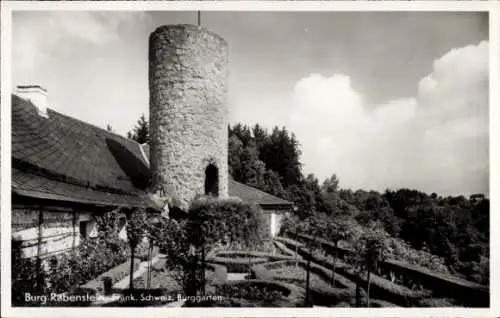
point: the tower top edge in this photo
(187, 28)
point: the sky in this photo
(381, 99)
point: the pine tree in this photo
(141, 131)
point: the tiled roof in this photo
(70, 159)
(256, 196)
(247, 193)
(36, 186)
(62, 158)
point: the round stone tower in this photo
(188, 113)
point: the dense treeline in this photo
(454, 228)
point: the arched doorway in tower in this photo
(212, 181)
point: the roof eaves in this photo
(58, 197)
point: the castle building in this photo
(66, 171)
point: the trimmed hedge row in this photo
(319, 259)
(238, 265)
(442, 285)
(285, 250)
(115, 274)
(242, 261)
(289, 295)
(383, 288)
(386, 290)
(323, 272)
(321, 295)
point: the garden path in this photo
(124, 283)
(236, 276)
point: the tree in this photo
(331, 196)
(235, 148)
(140, 132)
(253, 168)
(371, 250)
(281, 153)
(337, 230)
(314, 226)
(182, 261)
(291, 224)
(136, 225)
(272, 184)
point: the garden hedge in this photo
(239, 261)
(320, 295)
(65, 272)
(256, 289)
(213, 220)
(383, 288)
(237, 265)
(442, 285)
(285, 250)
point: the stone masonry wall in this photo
(188, 112)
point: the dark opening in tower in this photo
(212, 181)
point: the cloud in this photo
(436, 141)
(41, 37)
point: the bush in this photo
(267, 293)
(64, 273)
(91, 258)
(28, 276)
(213, 220)
(400, 250)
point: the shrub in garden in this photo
(337, 230)
(28, 276)
(212, 220)
(67, 271)
(371, 250)
(182, 261)
(89, 260)
(400, 250)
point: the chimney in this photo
(37, 95)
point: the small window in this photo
(212, 181)
(84, 229)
